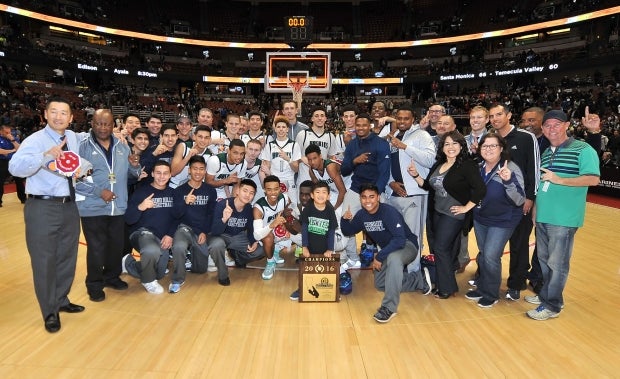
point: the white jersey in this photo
(246, 137)
(252, 174)
(280, 167)
(326, 142)
(324, 177)
(221, 148)
(183, 176)
(271, 212)
(218, 166)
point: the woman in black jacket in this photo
(457, 188)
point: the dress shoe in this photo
(52, 323)
(72, 308)
(443, 295)
(224, 282)
(96, 295)
(116, 284)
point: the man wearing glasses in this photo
(429, 121)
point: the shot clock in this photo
(298, 29)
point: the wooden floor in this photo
(252, 330)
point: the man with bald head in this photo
(103, 203)
(443, 125)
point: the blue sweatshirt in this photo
(159, 219)
(377, 170)
(502, 206)
(386, 227)
(238, 222)
(198, 215)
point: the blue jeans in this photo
(491, 242)
(555, 247)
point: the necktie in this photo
(69, 178)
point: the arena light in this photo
(559, 31)
(527, 36)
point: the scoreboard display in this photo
(298, 29)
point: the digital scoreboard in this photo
(298, 29)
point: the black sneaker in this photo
(486, 303)
(116, 284)
(513, 295)
(384, 315)
(224, 282)
(473, 295)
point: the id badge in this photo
(112, 178)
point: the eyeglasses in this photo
(489, 147)
(435, 111)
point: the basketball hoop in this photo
(297, 85)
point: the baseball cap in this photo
(555, 115)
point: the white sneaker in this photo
(211, 265)
(533, 299)
(124, 265)
(153, 287)
(229, 261)
(350, 263)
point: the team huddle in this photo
(209, 199)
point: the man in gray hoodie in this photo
(103, 202)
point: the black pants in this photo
(104, 236)
(19, 182)
(520, 253)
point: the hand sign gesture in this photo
(56, 151)
(227, 212)
(190, 198)
(591, 121)
(147, 203)
(504, 172)
(347, 215)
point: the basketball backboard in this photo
(285, 69)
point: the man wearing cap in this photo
(184, 128)
(569, 166)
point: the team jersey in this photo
(324, 177)
(183, 176)
(271, 211)
(221, 148)
(246, 137)
(280, 167)
(218, 166)
(252, 174)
